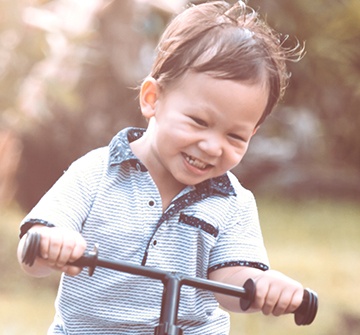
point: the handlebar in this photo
(303, 315)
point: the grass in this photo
(315, 242)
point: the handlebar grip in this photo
(31, 248)
(303, 315)
(306, 312)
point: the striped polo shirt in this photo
(109, 196)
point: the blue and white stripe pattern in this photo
(109, 196)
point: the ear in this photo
(149, 94)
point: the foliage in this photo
(327, 80)
(80, 93)
(20, 49)
(68, 70)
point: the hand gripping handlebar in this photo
(304, 314)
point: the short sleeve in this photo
(69, 200)
(241, 242)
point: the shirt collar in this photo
(217, 185)
(120, 152)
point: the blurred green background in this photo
(68, 73)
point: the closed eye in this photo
(199, 121)
(237, 137)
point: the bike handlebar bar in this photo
(304, 314)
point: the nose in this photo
(212, 146)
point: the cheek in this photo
(167, 141)
(234, 157)
(175, 136)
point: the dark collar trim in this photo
(120, 151)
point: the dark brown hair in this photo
(227, 42)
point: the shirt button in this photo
(151, 203)
(154, 243)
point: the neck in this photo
(167, 185)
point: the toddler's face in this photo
(203, 126)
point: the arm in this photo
(276, 293)
(241, 239)
(66, 205)
(57, 247)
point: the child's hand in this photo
(276, 293)
(59, 246)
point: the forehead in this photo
(200, 92)
(201, 82)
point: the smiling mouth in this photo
(195, 162)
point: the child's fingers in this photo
(50, 243)
(296, 300)
(78, 249)
(284, 303)
(44, 245)
(60, 246)
(262, 289)
(277, 294)
(72, 247)
(71, 270)
(270, 300)
(55, 247)
(282, 299)
(65, 252)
